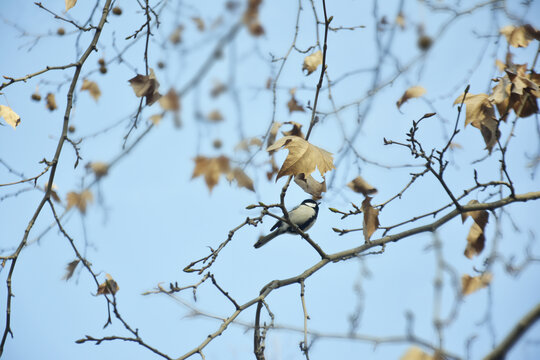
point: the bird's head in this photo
(311, 203)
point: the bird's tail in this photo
(264, 239)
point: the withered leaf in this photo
(170, 101)
(251, 18)
(273, 133)
(295, 131)
(211, 168)
(476, 238)
(215, 116)
(70, 4)
(176, 36)
(360, 185)
(412, 92)
(303, 157)
(70, 269)
(481, 114)
(520, 36)
(218, 89)
(241, 178)
(470, 284)
(310, 185)
(247, 142)
(147, 86)
(100, 169)
(51, 102)
(108, 287)
(293, 103)
(92, 88)
(156, 118)
(10, 116)
(79, 200)
(371, 218)
(199, 23)
(312, 62)
(400, 20)
(415, 353)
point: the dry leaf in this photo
(215, 116)
(70, 269)
(371, 218)
(241, 178)
(295, 131)
(412, 92)
(176, 36)
(147, 86)
(273, 133)
(54, 194)
(100, 169)
(470, 284)
(500, 65)
(310, 185)
(10, 116)
(415, 353)
(400, 20)
(251, 18)
(51, 102)
(293, 104)
(92, 88)
(246, 143)
(360, 185)
(79, 200)
(199, 22)
(312, 62)
(70, 4)
(303, 157)
(218, 89)
(170, 101)
(156, 118)
(211, 168)
(274, 168)
(476, 238)
(108, 287)
(481, 114)
(520, 36)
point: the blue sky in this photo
(150, 219)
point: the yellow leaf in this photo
(70, 4)
(147, 86)
(108, 287)
(310, 185)
(371, 218)
(412, 92)
(170, 101)
(156, 118)
(241, 178)
(400, 20)
(92, 88)
(520, 36)
(79, 200)
(470, 284)
(211, 168)
(312, 61)
(10, 116)
(303, 157)
(360, 185)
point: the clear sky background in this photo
(150, 219)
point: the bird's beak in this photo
(319, 203)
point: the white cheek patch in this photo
(313, 205)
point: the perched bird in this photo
(303, 216)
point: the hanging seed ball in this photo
(425, 42)
(71, 129)
(217, 144)
(103, 69)
(117, 11)
(60, 31)
(36, 97)
(101, 62)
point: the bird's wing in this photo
(302, 216)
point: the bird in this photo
(303, 216)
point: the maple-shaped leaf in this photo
(470, 284)
(312, 62)
(293, 104)
(147, 86)
(241, 178)
(51, 102)
(211, 168)
(371, 218)
(295, 131)
(10, 116)
(70, 269)
(481, 114)
(412, 92)
(415, 353)
(108, 287)
(310, 185)
(303, 157)
(79, 200)
(92, 88)
(70, 4)
(520, 36)
(360, 185)
(170, 101)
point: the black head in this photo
(311, 203)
